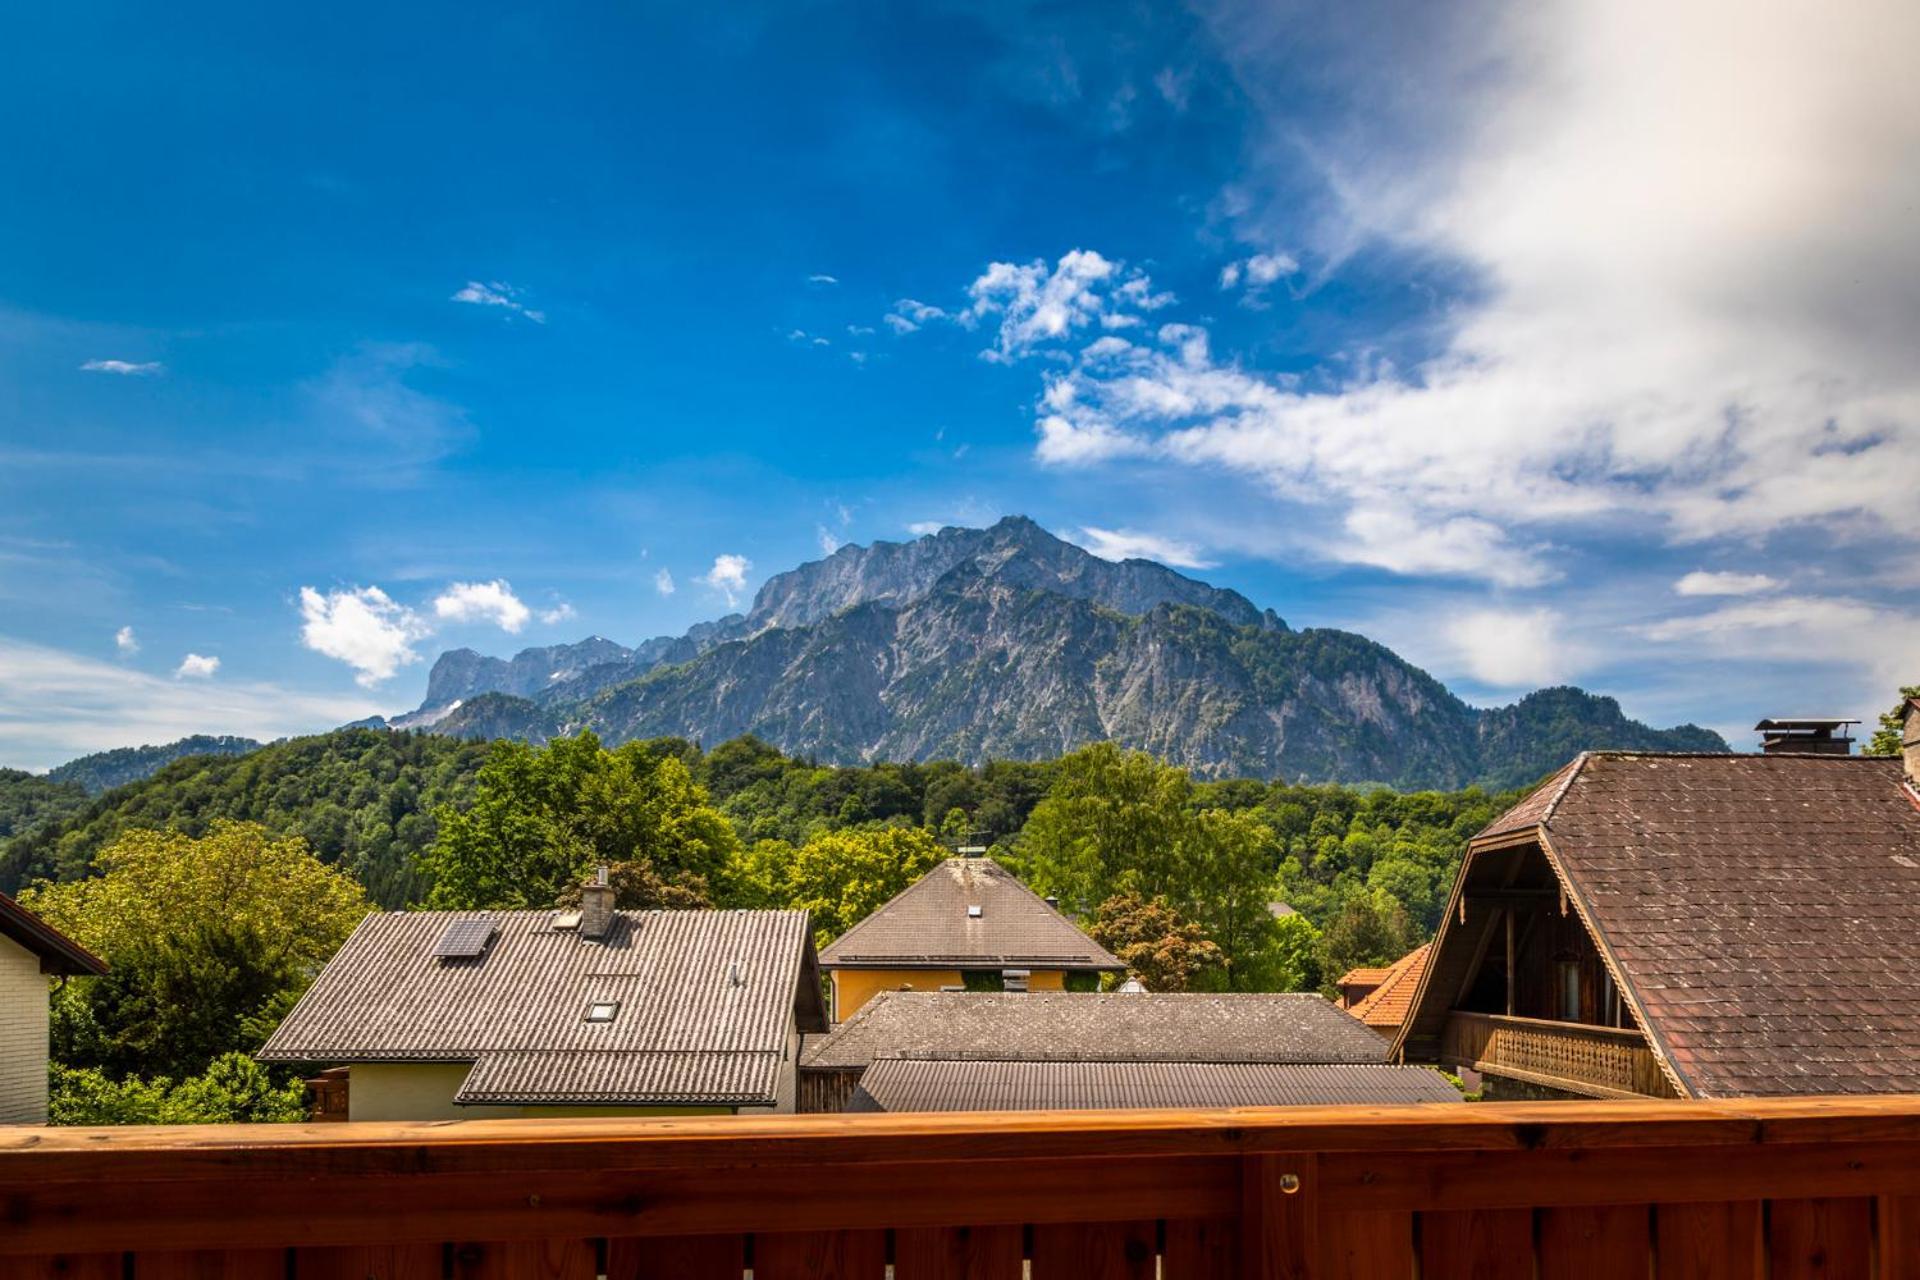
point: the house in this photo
(948, 1051)
(1695, 926)
(1386, 1000)
(968, 924)
(596, 1011)
(31, 950)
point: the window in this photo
(603, 1010)
(973, 913)
(1569, 972)
(1609, 1001)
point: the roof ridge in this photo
(1570, 772)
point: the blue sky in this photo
(1537, 348)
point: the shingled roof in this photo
(1762, 911)
(929, 925)
(898, 1084)
(1060, 1026)
(705, 1001)
(58, 953)
(1387, 1005)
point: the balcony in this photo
(1597, 1062)
(1782, 1187)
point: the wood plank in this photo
(370, 1262)
(1366, 1246)
(1596, 1242)
(820, 1255)
(1899, 1240)
(62, 1266)
(556, 1258)
(1477, 1244)
(211, 1264)
(1093, 1251)
(1280, 1217)
(1201, 1249)
(709, 1257)
(1824, 1239)
(957, 1253)
(1724, 1241)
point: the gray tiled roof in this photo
(1056, 1026)
(898, 1084)
(706, 998)
(927, 925)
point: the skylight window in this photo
(973, 913)
(603, 1010)
(566, 919)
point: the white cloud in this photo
(498, 294)
(822, 278)
(1174, 87)
(663, 582)
(558, 613)
(1881, 641)
(482, 602)
(860, 330)
(1133, 544)
(196, 667)
(828, 542)
(1511, 648)
(728, 576)
(126, 642)
(922, 528)
(1702, 583)
(1035, 304)
(125, 368)
(908, 315)
(56, 705)
(362, 627)
(1257, 272)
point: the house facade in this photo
(969, 924)
(449, 1015)
(31, 951)
(1686, 926)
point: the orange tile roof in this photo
(1387, 1005)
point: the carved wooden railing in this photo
(1615, 1191)
(1603, 1062)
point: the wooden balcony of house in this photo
(1597, 1062)
(1782, 1188)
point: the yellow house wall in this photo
(23, 1036)
(854, 987)
(425, 1090)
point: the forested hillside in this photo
(27, 800)
(105, 770)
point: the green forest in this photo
(217, 887)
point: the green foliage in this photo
(983, 980)
(839, 877)
(1159, 946)
(362, 799)
(29, 801)
(207, 941)
(1370, 930)
(1080, 980)
(233, 1089)
(541, 817)
(1888, 731)
(105, 770)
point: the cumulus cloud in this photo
(362, 627)
(125, 368)
(908, 315)
(558, 613)
(1256, 273)
(1881, 640)
(663, 582)
(1702, 583)
(498, 294)
(1134, 544)
(1511, 648)
(196, 667)
(1033, 304)
(482, 602)
(125, 642)
(728, 576)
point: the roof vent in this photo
(973, 913)
(566, 919)
(1812, 736)
(464, 939)
(734, 977)
(603, 1011)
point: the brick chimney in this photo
(1910, 740)
(596, 905)
(1806, 736)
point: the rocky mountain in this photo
(105, 770)
(1008, 642)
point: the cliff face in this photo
(1007, 642)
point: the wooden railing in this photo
(1601, 1062)
(1614, 1191)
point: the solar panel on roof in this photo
(464, 939)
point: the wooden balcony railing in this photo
(1600, 1062)
(1615, 1191)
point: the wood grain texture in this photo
(1476, 1244)
(1279, 1228)
(211, 1264)
(820, 1255)
(708, 1257)
(1826, 1239)
(556, 1258)
(1101, 1251)
(371, 1262)
(957, 1253)
(1201, 1249)
(1366, 1246)
(1710, 1241)
(1596, 1242)
(1899, 1240)
(62, 1266)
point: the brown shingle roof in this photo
(1387, 1005)
(897, 1084)
(706, 998)
(1765, 910)
(58, 953)
(927, 925)
(1059, 1026)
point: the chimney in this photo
(596, 905)
(1808, 736)
(1910, 740)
